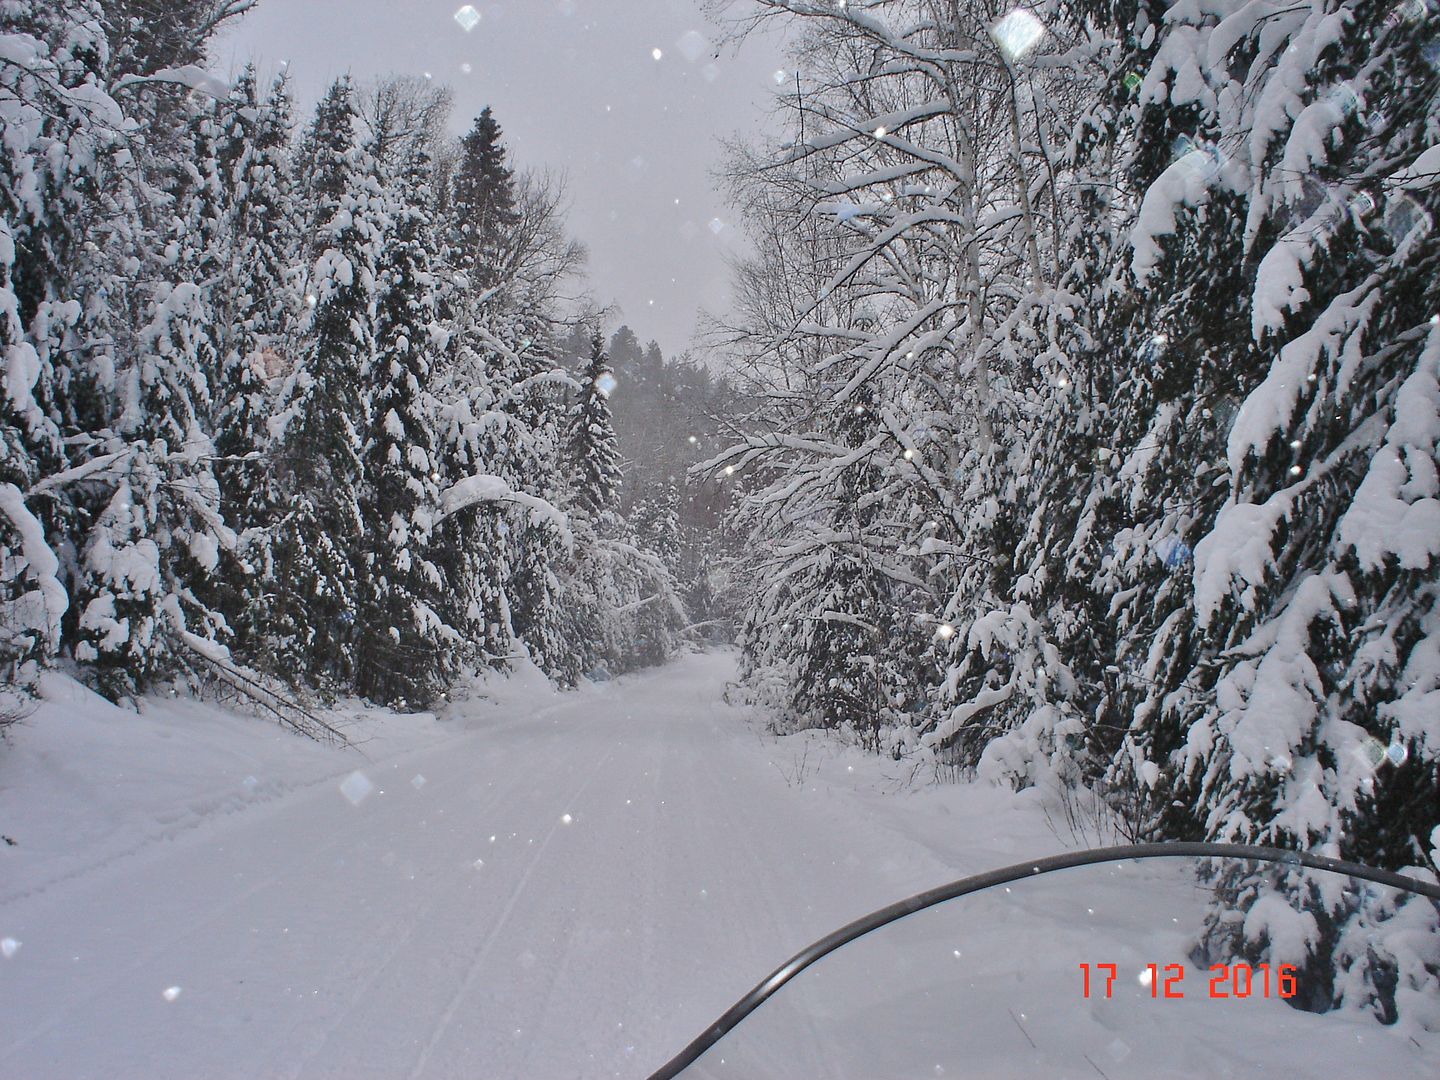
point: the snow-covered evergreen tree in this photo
(590, 445)
(1314, 568)
(258, 305)
(60, 149)
(481, 205)
(317, 547)
(655, 522)
(1163, 389)
(404, 652)
(150, 551)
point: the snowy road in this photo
(560, 886)
(573, 893)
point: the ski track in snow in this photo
(312, 938)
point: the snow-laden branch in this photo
(44, 566)
(961, 715)
(477, 490)
(88, 470)
(190, 76)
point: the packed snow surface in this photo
(544, 885)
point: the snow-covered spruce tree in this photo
(536, 550)
(848, 672)
(1298, 720)
(1054, 636)
(624, 606)
(38, 121)
(149, 551)
(143, 594)
(64, 193)
(592, 470)
(473, 435)
(590, 444)
(482, 205)
(525, 316)
(655, 522)
(1085, 494)
(317, 546)
(32, 598)
(256, 302)
(404, 653)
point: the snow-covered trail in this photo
(574, 892)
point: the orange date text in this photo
(1168, 981)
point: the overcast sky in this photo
(576, 87)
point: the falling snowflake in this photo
(1017, 33)
(1373, 753)
(692, 45)
(356, 787)
(656, 54)
(1202, 160)
(468, 18)
(717, 226)
(171, 993)
(945, 631)
(418, 782)
(9, 947)
(1174, 552)
(779, 76)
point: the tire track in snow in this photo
(478, 960)
(419, 917)
(215, 913)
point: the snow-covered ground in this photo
(539, 885)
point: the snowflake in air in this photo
(356, 787)
(1017, 33)
(692, 45)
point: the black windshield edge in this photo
(920, 901)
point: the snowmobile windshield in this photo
(1126, 967)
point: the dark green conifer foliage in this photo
(318, 544)
(482, 204)
(404, 653)
(592, 451)
(257, 306)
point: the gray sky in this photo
(576, 88)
